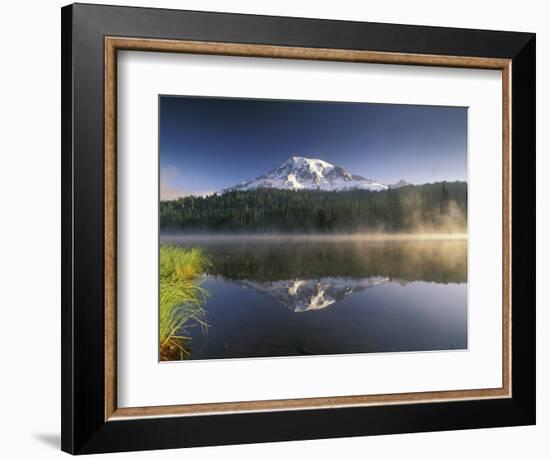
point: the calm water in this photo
(294, 296)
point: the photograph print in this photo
(303, 228)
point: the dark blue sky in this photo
(207, 144)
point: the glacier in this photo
(300, 172)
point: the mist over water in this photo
(290, 295)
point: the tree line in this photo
(436, 207)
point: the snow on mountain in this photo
(304, 173)
(313, 294)
(400, 184)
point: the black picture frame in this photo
(84, 428)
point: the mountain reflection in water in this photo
(312, 294)
(360, 296)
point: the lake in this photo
(321, 295)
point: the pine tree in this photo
(444, 201)
(309, 210)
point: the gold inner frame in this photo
(114, 44)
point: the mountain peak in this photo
(305, 159)
(300, 172)
(400, 184)
(312, 163)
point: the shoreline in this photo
(212, 237)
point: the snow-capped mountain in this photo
(313, 294)
(400, 184)
(304, 173)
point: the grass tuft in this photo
(181, 298)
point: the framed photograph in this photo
(281, 228)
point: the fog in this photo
(274, 236)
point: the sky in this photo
(208, 144)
